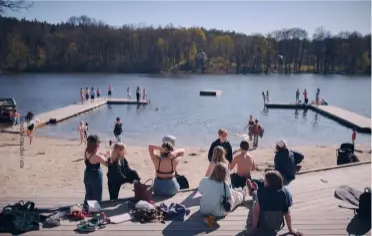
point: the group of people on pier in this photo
(222, 189)
(318, 100)
(92, 93)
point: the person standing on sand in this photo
(267, 96)
(245, 165)
(297, 95)
(15, 117)
(129, 93)
(87, 93)
(109, 93)
(31, 122)
(221, 141)
(93, 172)
(82, 131)
(81, 95)
(138, 90)
(257, 130)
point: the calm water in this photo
(176, 107)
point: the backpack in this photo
(364, 209)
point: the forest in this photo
(84, 44)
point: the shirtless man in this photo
(245, 165)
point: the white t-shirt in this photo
(212, 194)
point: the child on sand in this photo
(31, 122)
(245, 165)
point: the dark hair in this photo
(256, 120)
(168, 146)
(117, 118)
(86, 123)
(29, 116)
(244, 145)
(274, 179)
(92, 143)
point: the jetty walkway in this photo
(72, 110)
(315, 211)
(347, 118)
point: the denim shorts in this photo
(165, 187)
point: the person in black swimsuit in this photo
(93, 172)
(165, 183)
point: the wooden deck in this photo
(315, 210)
(347, 118)
(72, 110)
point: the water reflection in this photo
(304, 114)
(296, 114)
(265, 111)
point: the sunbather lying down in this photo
(271, 203)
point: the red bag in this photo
(143, 191)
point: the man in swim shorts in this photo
(245, 165)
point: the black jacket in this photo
(226, 145)
(121, 173)
(285, 164)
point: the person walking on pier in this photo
(143, 94)
(264, 97)
(353, 137)
(129, 93)
(317, 100)
(306, 100)
(98, 93)
(109, 93)
(267, 96)
(297, 95)
(92, 94)
(81, 95)
(138, 94)
(87, 93)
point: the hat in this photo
(169, 138)
(281, 143)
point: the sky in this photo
(240, 16)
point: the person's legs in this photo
(118, 138)
(237, 197)
(114, 189)
(251, 209)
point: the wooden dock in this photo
(347, 118)
(64, 113)
(315, 210)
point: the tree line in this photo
(83, 44)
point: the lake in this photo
(176, 107)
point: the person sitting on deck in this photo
(270, 203)
(119, 171)
(218, 157)
(214, 189)
(165, 183)
(221, 141)
(284, 162)
(93, 172)
(245, 165)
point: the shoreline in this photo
(54, 165)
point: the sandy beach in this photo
(56, 166)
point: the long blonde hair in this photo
(115, 154)
(219, 173)
(219, 155)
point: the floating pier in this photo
(210, 93)
(347, 118)
(64, 113)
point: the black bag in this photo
(182, 181)
(364, 209)
(226, 201)
(298, 157)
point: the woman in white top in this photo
(219, 157)
(214, 190)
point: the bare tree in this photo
(13, 5)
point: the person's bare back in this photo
(245, 164)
